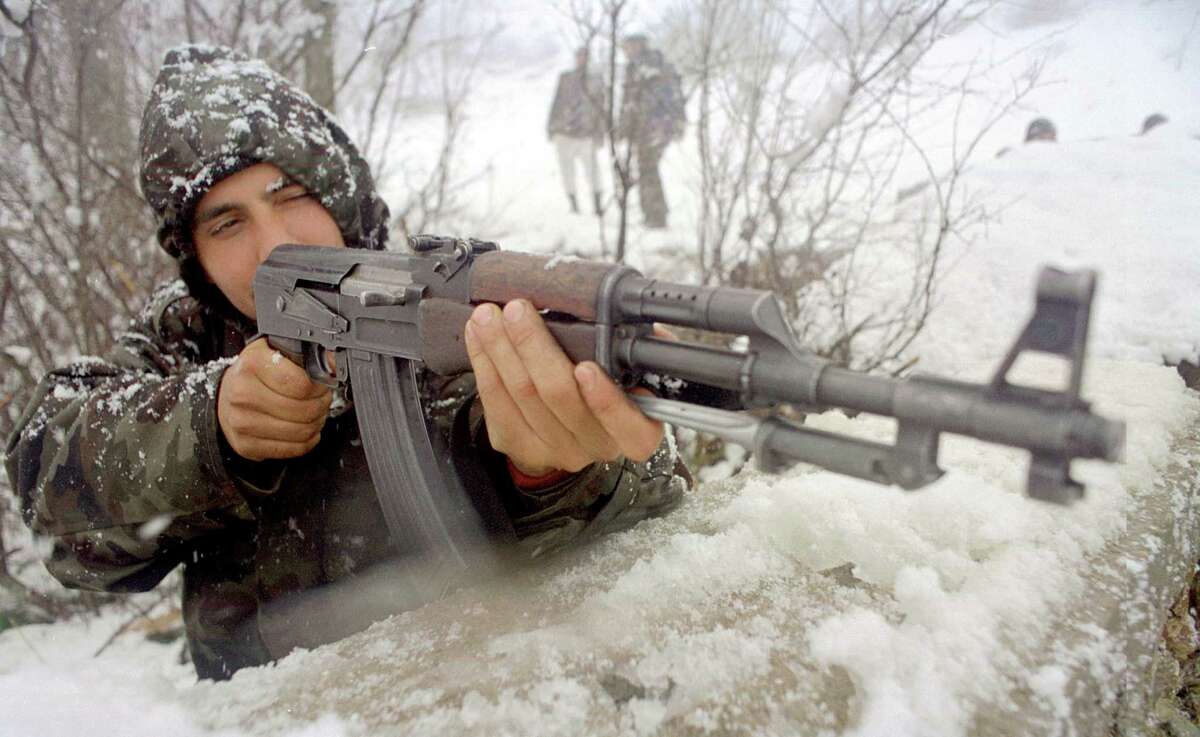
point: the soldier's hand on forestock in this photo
(268, 407)
(543, 411)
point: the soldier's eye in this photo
(294, 193)
(224, 225)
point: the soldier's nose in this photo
(274, 233)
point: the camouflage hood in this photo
(213, 112)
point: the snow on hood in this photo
(213, 112)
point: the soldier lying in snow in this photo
(190, 444)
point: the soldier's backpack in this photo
(674, 105)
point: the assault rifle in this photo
(387, 316)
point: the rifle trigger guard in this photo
(318, 368)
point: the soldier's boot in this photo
(597, 200)
(574, 203)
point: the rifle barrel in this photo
(1018, 418)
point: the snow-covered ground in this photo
(807, 602)
(779, 605)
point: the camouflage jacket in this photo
(652, 104)
(578, 107)
(120, 462)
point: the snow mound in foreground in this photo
(781, 605)
(805, 603)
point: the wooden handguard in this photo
(567, 285)
(445, 353)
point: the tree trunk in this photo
(318, 55)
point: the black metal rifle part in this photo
(386, 316)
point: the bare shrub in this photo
(810, 116)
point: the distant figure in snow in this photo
(652, 115)
(1152, 121)
(576, 127)
(1041, 129)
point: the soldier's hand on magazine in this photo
(268, 407)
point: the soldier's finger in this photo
(284, 377)
(261, 450)
(664, 332)
(487, 327)
(261, 426)
(287, 408)
(254, 395)
(552, 373)
(507, 430)
(637, 435)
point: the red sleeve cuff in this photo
(525, 482)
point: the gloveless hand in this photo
(268, 407)
(543, 411)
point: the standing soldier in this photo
(652, 115)
(576, 126)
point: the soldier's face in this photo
(244, 217)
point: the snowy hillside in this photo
(1103, 198)
(1124, 206)
(806, 603)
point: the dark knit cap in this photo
(213, 112)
